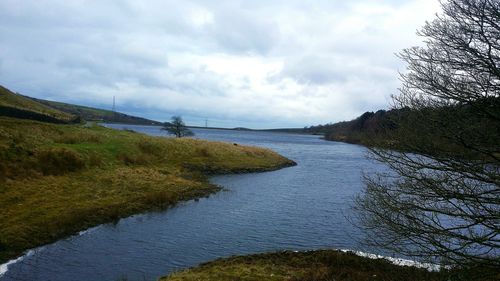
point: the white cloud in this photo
(240, 63)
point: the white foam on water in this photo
(5, 267)
(396, 261)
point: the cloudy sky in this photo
(257, 64)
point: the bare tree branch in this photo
(440, 199)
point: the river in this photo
(298, 208)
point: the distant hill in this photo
(24, 107)
(95, 114)
(288, 130)
(19, 106)
(369, 125)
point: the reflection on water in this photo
(298, 208)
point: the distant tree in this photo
(440, 199)
(177, 127)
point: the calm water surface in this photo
(296, 208)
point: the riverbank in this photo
(320, 265)
(56, 180)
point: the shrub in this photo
(95, 160)
(3, 172)
(203, 152)
(58, 161)
(150, 146)
(134, 158)
(79, 137)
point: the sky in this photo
(255, 64)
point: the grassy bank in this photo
(324, 265)
(56, 180)
(320, 265)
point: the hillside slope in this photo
(19, 106)
(429, 130)
(95, 114)
(25, 107)
(365, 127)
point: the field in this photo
(56, 180)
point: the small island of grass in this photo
(56, 180)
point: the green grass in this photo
(10, 99)
(321, 265)
(56, 180)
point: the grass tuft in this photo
(59, 160)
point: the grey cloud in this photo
(240, 31)
(315, 70)
(323, 70)
(285, 62)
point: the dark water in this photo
(297, 208)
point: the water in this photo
(297, 208)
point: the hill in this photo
(19, 106)
(368, 126)
(287, 130)
(95, 114)
(426, 130)
(25, 107)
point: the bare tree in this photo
(440, 199)
(177, 127)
